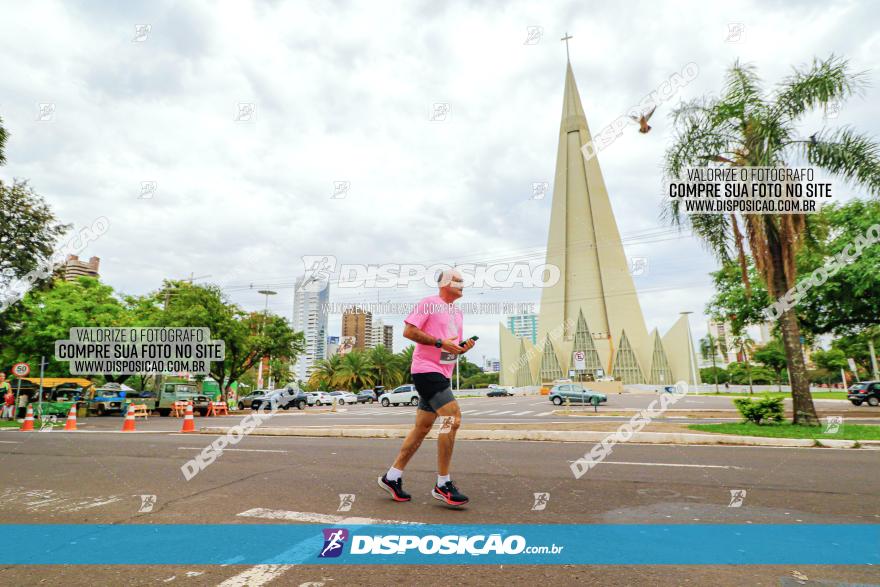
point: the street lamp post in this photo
(691, 350)
(267, 293)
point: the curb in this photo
(554, 436)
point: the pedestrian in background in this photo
(22, 404)
(8, 397)
(9, 405)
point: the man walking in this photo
(8, 398)
(435, 325)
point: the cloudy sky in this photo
(97, 105)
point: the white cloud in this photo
(343, 92)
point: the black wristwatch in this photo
(438, 343)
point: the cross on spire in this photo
(566, 38)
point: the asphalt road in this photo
(493, 410)
(57, 477)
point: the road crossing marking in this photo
(261, 574)
(312, 517)
(256, 576)
(669, 465)
(232, 449)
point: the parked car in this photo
(405, 394)
(366, 396)
(107, 400)
(344, 397)
(282, 398)
(499, 391)
(322, 398)
(575, 393)
(865, 391)
(246, 401)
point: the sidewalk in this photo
(681, 438)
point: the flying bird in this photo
(643, 119)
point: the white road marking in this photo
(312, 517)
(256, 576)
(10, 442)
(523, 413)
(468, 411)
(261, 574)
(502, 413)
(669, 465)
(48, 500)
(544, 413)
(232, 449)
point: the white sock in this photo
(393, 474)
(442, 480)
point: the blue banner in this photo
(599, 544)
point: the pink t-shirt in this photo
(441, 320)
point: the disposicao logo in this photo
(334, 541)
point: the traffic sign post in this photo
(19, 370)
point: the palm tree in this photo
(325, 372)
(404, 362)
(746, 126)
(744, 343)
(385, 366)
(355, 371)
(709, 349)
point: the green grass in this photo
(15, 424)
(782, 394)
(788, 430)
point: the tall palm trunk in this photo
(804, 410)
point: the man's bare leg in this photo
(446, 440)
(392, 481)
(424, 422)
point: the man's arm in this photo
(421, 337)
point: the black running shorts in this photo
(434, 391)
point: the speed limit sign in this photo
(21, 369)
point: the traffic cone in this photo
(28, 425)
(128, 425)
(71, 419)
(189, 423)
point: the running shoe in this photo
(395, 488)
(449, 494)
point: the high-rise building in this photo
(590, 320)
(74, 268)
(524, 325)
(310, 299)
(358, 323)
(380, 333)
(388, 337)
(726, 350)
